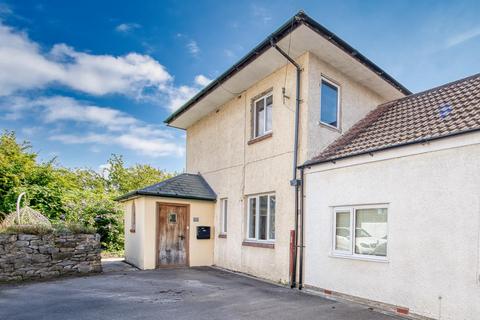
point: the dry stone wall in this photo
(25, 256)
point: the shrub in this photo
(75, 228)
(27, 229)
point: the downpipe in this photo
(295, 182)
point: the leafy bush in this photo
(27, 229)
(80, 199)
(73, 227)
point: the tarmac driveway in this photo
(196, 293)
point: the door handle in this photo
(181, 237)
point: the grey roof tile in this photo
(185, 186)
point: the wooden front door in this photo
(172, 235)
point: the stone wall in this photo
(25, 256)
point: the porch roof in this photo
(184, 186)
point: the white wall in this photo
(141, 245)
(433, 222)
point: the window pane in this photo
(252, 214)
(262, 227)
(224, 215)
(268, 120)
(342, 231)
(272, 218)
(329, 104)
(371, 232)
(260, 118)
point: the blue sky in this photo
(87, 80)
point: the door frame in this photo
(187, 233)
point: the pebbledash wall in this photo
(218, 147)
(28, 257)
(433, 253)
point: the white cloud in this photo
(152, 147)
(261, 13)
(193, 48)
(178, 96)
(229, 53)
(24, 66)
(102, 126)
(463, 37)
(201, 80)
(127, 27)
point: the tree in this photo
(63, 194)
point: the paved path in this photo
(196, 293)
(116, 265)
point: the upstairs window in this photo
(329, 103)
(262, 115)
(223, 216)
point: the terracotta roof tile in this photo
(449, 109)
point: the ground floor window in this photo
(261, 217)
(360, 231)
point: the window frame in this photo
(263, 97)
(257, 218)
(351, 253)
(223, 213)
(337, 86)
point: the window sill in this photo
(260, 138)
(359, 257)
(257, 244)
(329, 126)
(222, 235)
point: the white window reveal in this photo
(361, 231)
(329, 103)
(262, 119)
(223, 216)
(261, 218)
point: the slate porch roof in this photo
(451, 109)
(184, 186)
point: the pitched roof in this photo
(184, 186)
(451, 109)
(301, 18)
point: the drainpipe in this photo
(295, 182)
(300, 268)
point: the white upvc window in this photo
(261, 217)
(262, 115)
(223, 215)
(360, 231)
(329, 103)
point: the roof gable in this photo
(443, 111)
(184, 186)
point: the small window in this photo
(223, 216)
(172, 218)
(133, 218)
(361, 231)
(329, 103)
(261, 217)
(262, 116)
